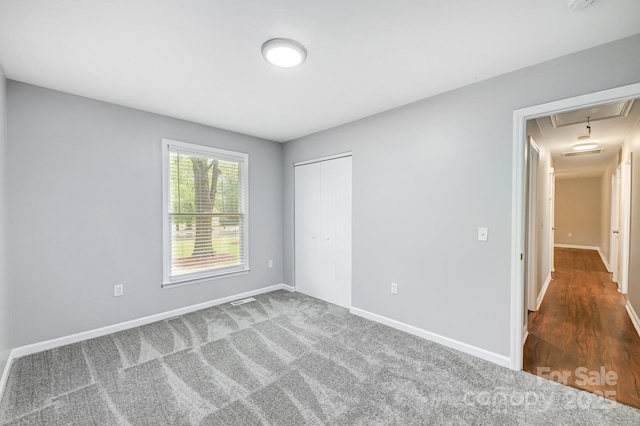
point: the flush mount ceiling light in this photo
(585, 146)
(284, 52)
(585, 142)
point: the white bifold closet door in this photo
(323, 230)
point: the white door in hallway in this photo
(624, 225)
(323, 230)
(615, 219)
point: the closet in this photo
(323, 229)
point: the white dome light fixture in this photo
(284, 52)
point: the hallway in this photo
(582, 335)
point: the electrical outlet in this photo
(271, 264)
(118, 290)
(394, 288)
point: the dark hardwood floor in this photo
(582, 335)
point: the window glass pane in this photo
(223, 241)
(229, 182)
(206, 217)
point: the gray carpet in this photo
(284, 359)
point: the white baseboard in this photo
(5, 373)
(543, 292)
(502, 360)
(634, 317)
(98, 332)
(574, 246)
(604, 260)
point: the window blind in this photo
(206, 212)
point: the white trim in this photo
(634, 317)
(576, 246)
(604, 260)
(520, 118)
(192, 280)
(5, 373)
(98, 332)
(321, 159)
(517, 239)
(446, 341)
(543, 292)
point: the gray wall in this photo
(427, 175)
(85, 213)
(5, 335)
(578, 211)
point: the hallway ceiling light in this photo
(585, 146)
(580, 153)
(585, 142)
(284, 52)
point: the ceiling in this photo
(200, 60)
(607, 128)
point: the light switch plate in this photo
(483, 234)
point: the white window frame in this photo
(167, 279)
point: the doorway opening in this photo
(533, 207)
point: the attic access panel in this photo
(598, 112)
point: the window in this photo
(205, 212)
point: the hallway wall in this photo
(578, 211)
(632, 145)
(544, 221)
(543, 210)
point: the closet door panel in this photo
(343, 201)
(328, 224)
(308, 229)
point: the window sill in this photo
(198, 280)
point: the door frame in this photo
(518, 192)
